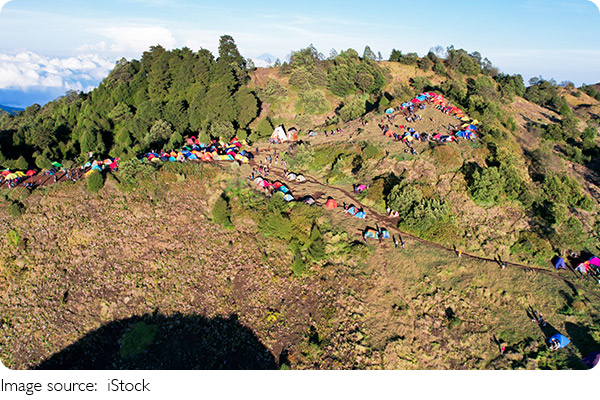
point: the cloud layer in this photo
(28, 70)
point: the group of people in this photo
(338, 131)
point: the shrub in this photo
(316, 249)
(132, 170)
(221, 212)
(15, 209)
(95, 182)
(13, 237)
(298, 266)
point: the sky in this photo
(50, 46)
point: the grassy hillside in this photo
(175, 253)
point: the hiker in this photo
(459, 253)
(396, 242)
(403, 244)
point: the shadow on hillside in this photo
(166, 342)
(581, 338)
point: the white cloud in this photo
(3, 3)
(27, 70)
(136, 39)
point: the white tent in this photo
(279, 134)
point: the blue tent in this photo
(283, 189)
(172, 159)
(360, 214)
(562, 340)
(192, 157)
(411, 130)
(472, 128)
(389, 111)
(351, 210)
(385, 234)
(97, 168)
(560, 263)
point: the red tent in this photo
(277, 185)
(30, 173)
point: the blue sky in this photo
(49, 47)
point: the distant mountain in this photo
(10, 110)
(268, 58)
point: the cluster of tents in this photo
(467, 129)
(279, 187)
(194, 150)
(111, 163)
(279, 135)
(355, 212)
(13, 178)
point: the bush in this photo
(95, 182)
(13, 237)
(316, 249)
(132, 170)
(298, 266)
(221, 212)
(352, 109)
(16, 210)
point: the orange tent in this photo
(331, 203)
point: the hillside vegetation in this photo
(154, 251)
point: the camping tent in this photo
(370, 233)
(312, 133)
(351, 210)
(389, 111)
(288, 197)
(331, 203)
(560, 263)
(277, 184)
(309, 200)
(360, 214)
(595, 261)
(385, 234)
(291, 176)
(300, 178)
(583, 267)
(361, 188)
(279, 134)
(292, 134)
(560, 340)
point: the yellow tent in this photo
(474, 122)
(11, 176)
(465, 119)
(20, 174)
